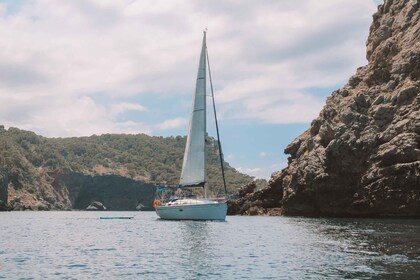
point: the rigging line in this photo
(217, 126)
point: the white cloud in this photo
(80, 117)
(257, 172)
(263, 154)
(251, 171)
(290, 50)
(263, 172)
(123, 107)
(229, 157)
(265, 57)
(173, 123)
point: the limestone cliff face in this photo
(361, 156)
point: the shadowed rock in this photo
(4, 206)
(361, 155)
(96, 206)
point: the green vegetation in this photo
(151, 159)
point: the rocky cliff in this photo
(66, 190)
(114, 191)
(361, 155)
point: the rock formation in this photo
(115, 192)
(66, 190)
(4, 206)
(361, 155)
(96, 206)
(259, 202)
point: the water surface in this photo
(80, 245)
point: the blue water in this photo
(80, 245)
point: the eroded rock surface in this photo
(361, 156)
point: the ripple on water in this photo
(74, 245)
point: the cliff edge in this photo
(361, 155)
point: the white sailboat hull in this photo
(210, 211)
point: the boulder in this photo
(249, 188)
(96, 206)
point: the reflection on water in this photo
(383, 249)
(74, 245)
(377, 237)
(197, 250)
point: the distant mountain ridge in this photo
(119, 170)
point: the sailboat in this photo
(193, 172)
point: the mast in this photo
(217, 127)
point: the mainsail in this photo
(193, 166)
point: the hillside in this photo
(55, 173)
(361, 155)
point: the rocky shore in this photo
(66, 190)
(361, 156)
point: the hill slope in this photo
(64, 173)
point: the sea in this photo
(81, 245)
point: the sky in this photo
(85, 67)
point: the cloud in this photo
(265, 58)
(257, 172)
(229, 157)
(83, 117)
(251, 171)
(173, 123)
(289, 50)
(120, 108)
(263, 172)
